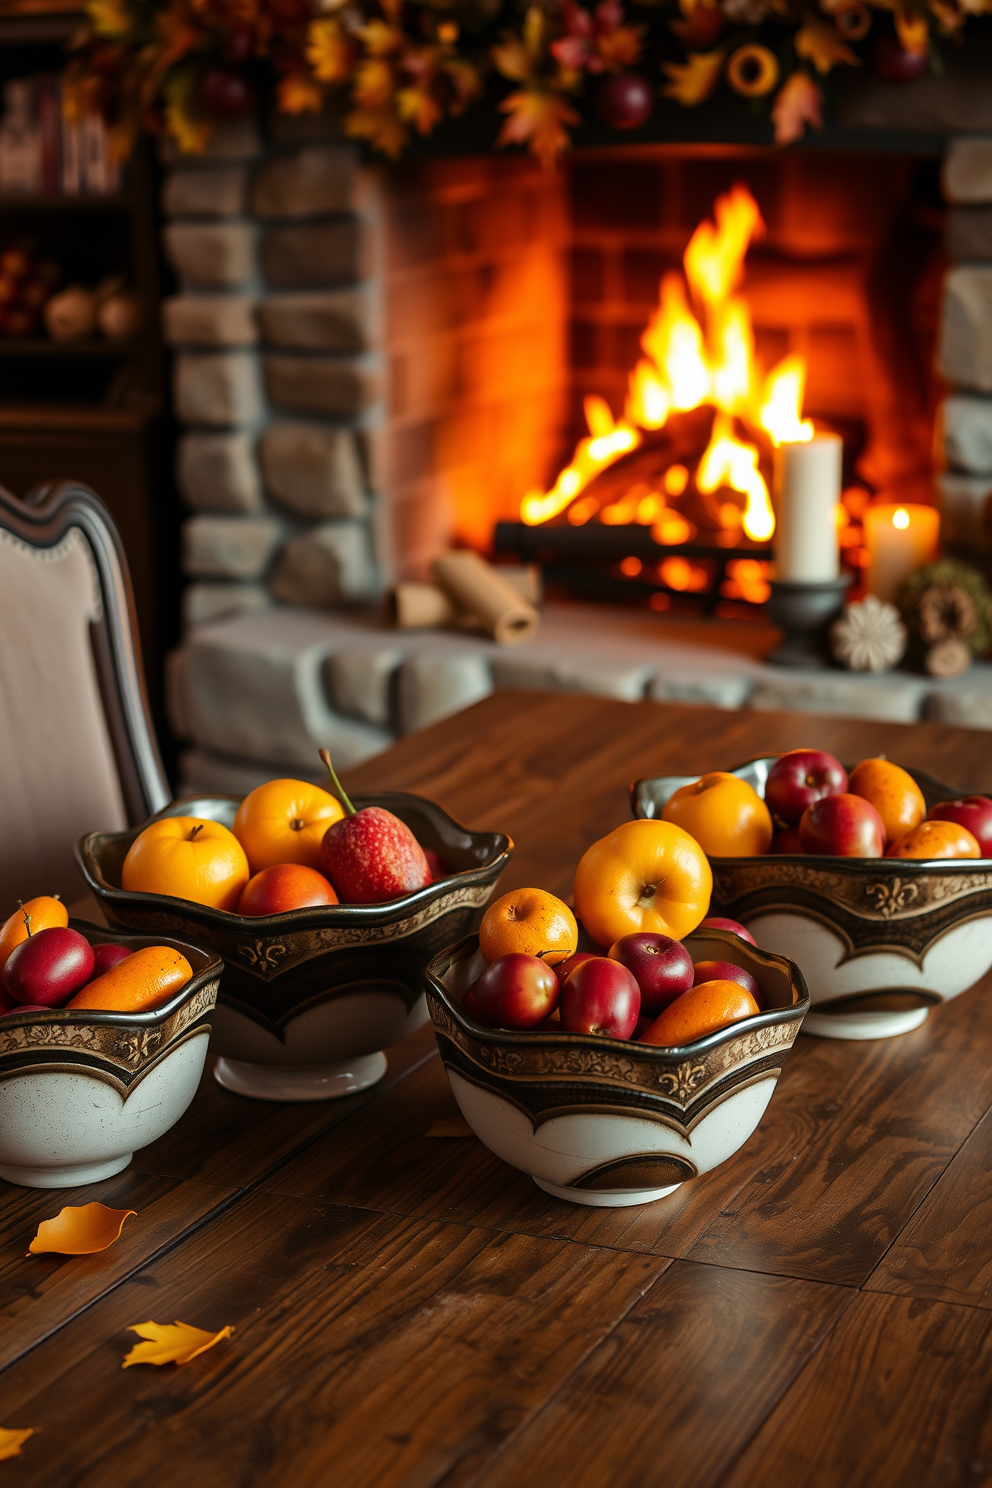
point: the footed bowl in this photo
(880, 940)
(310, 999)
(81, 1091)
(610, 1122)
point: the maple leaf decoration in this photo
(11, 1441)
(171, 1343)
(692, 81)
(823, 46)
(80, 1231)
(537, 118)
(799, 103)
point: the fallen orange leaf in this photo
(450, 1126)
(171, 1343)
(81, 1231)
(11, 1442)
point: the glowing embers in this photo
(699, 357)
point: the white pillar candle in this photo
(899, 539)
(807, 489)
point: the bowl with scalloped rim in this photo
(310, 999)
(880, 940)
(82, 1090)
(613, 1122)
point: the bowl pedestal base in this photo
(300, 1082)
(68, 1177)
(618, 1198)
(864, 1025)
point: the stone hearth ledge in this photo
(256, 695)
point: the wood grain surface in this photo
(411, 1312)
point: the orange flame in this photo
(686, 365)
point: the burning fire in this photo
(691, 360)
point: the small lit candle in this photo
(807, 488)
(899, 539)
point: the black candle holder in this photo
(804, 612)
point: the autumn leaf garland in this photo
(401, 67)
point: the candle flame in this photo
(900, 518)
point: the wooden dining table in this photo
(408, 1310)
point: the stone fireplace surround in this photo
(335, 336)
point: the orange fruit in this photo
(532, 921)
(935, 839)
(645, 875)
(704, 1009)
(726, 816)
(187, 857)
(284, 821)
(146, 979)
(46, 913)
(893, 792)
(284, 887)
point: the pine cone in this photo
(945, 611)
(869, 636)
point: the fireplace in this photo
(374, 363)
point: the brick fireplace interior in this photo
(373, 364)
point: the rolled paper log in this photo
(419, 607)
(475, 586)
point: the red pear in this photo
(370, 856)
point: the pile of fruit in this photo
(26, 285)
(45, 964)
(637, 892)
(293, 846)
(811, 806)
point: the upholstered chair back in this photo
(76, 747)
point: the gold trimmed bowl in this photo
(880, 940)
(310, 999)
(81, 1091)
(610, 1122)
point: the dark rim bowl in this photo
(545, 1075)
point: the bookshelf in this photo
(94, 410)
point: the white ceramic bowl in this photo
(880, 940)
(609, 1122)
(309, 999)
(80, 1092)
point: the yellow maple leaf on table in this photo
(692, 81)
(420, 107)
(537, 119)
(171, 1343)
(799, 103)
(823, 46)
(11, 1441)
(80, 1231)
(299, 94)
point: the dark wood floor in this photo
(410, 1311)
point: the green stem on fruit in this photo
(343, 797)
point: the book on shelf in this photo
(45, 150)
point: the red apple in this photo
(973, 812)
(515, 991)
(799, 778)
(226, 92)
(842, 826)
(107, 956)
(625, 100)
(48, 967)
(26, 1007)
(565, 968)
(786, 840)
(734, 926)
(601, 996)
(725, 971)
(661, 967)
(893, 63)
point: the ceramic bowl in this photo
(880, 940)
(609, 1122)
(309, 1000)
(80, 1092)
